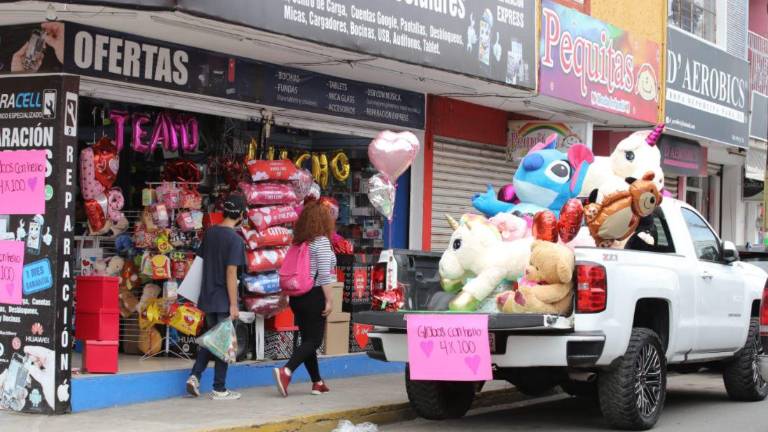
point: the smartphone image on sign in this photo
(14, 392)
(35, 48)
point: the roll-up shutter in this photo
(670, 184)
(461, 170)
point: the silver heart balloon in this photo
(381, 194)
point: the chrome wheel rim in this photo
(648, 380)
(757, 378)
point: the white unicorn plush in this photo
(477, 254)
(634, 156)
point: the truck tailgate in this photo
(496, 321)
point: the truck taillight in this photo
(378, 277)
(591, 288)
(764, 312)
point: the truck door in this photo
(719, 290)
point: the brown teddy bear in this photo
(547, 286)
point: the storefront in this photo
(754, 171)
(707, 105)
(155, 115)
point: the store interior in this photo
(155, 239)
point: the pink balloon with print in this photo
(89, 186)
(392, 153)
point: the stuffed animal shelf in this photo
(546, 179)
(618, 215)
(547, 286)
(478, 256)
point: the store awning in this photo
(756, 160)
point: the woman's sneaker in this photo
(193, 386)
(282, 379)
(225, 395)
(319, 388)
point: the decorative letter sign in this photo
(22, 182)
(449, 347)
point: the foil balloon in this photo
(174, 131)
(89, 186)
(97, 211)
(381, 194)
(392, 153)
(507, 194)
(106, 162)
(545, 226)
(115, 203)
(159, 133)
(314, 192)
(191, 138)
(569, 224)
(139, 134)
(118, 118)
(302, 184)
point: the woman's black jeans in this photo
(308, 312)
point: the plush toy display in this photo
(619, 213)
(547, 286)
(477, 254)
(633, 157)
(545, 180)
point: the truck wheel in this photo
(633, 390)
(439, 400)
(742, 373)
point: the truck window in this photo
(655, 227)
(705, 242)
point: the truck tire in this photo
(633, 390)
(742, 373)
(439, 400)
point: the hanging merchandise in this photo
(279, 170)
(171, 132)
(265, 283)
(302, 184)
(266, 306)
(340, 167)
(264, 217)
(106, 162)
(267, 193)
(270, 237)
(186, 318)
(264, 260)
(182, 171)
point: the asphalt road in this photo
(695, 403)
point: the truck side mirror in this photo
(730, 254)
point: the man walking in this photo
(222, 251)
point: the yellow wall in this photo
(645, 18)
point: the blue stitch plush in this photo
(545, 180)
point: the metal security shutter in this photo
(461, 170)
(670, 184)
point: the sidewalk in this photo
(372, 398)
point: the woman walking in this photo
(315, 227)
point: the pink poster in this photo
(11, 264)
(449, 347)
(22, 182)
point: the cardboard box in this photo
(337, 296)
(338, 316)
(336, 338)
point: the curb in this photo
(379, 415)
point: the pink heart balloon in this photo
(392, 153)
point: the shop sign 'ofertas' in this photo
(707, 91)
(598, 65)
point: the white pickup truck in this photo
(685, 303)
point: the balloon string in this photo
(389, 221)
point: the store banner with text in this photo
(707, 91)
(490, 39)
(38, 143)
(523, 135)
(598, 65)
(117, 56)
(681, 157)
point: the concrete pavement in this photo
(379, 398)
(695, 403)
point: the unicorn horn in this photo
(655, 134)
(452, 222)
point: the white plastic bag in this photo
(348, 426)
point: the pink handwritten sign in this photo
(11, 267)
(22, 182)
(449, 347)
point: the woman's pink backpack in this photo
(295, 277)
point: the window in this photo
(655, 227)
(694, 16)
(705, 242)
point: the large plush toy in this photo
(633, 157)
(545, 180)
(478, 255)
(547, 286)
(618, 215)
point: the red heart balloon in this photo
(571, 216)
(545, 226)
(106, 162)
(97, 214)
